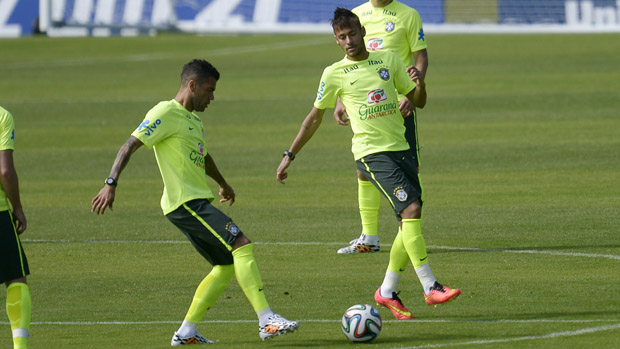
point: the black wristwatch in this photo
(111, 181)
(289, 154)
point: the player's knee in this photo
(414, 210)
(240, 242)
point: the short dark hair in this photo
(344, 18)
(198, 70)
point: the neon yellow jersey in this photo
(177, 138)
(7, 142)
(395, 27)
(368, 91)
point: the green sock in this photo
(369, 199)
(19, 308)
(248, 277)
(398, 254)
(209, 290)
(414, 241)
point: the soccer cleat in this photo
(357, 246)
(197, 338)
(440, 294)
(394, 304)
(275, 326)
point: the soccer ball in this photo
(361, 323)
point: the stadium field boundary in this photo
(314, 243)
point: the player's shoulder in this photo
(162, 108)
(5, 115)
(335, 67)
(363, 9)
(407, 11)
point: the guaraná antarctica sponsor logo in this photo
(374, 44)
(374, 109)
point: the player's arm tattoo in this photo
(122, 158)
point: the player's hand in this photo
(228, 194)
(19, 219)
(416, 76)
(340, 114)
(104, 199)
(281, 174)
(406, 107)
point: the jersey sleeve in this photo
(402, 80)
(328, 91)
(7, 131)
(415, 34)
(155, 127)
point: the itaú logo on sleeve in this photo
(374, 44)
(376, 96)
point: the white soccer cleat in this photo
(275, 326)
(358, 246)
(197, 338)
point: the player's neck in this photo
(380, 3)
(360, 57)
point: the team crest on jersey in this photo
(390, 26)
(400, 194)
(374, 44)
(201, 149)
(376, 96)
(384, 73)
(232, 228)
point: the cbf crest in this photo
(390, 26)
(400, 194)
(232, 228)
(384, 73)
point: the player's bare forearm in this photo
(105, 197)
(122, 157)
(421, 61)
(226, 191)
(212, 171)
(308, 127)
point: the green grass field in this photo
(520, 161)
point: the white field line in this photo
(524, 338)
(156, 322)
(314, 243)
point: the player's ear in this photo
(192, 85)
(363, 31)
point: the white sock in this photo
(390, 283)
(21, 332)
(370, 239)
(263, 315)
(187, 329)
(426, 277)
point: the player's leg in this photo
(413, 240)
(192, 219)
(13, 272)
(249, 278)
(387, 294)
(369, 200)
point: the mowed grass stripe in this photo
(318, 243)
